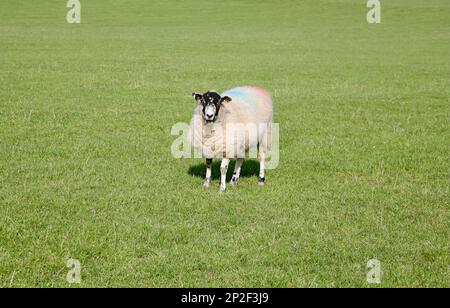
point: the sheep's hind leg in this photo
(237, 171)
(262, 165)
(223, 174)
(207, 183)
(264, 145)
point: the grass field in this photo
(86, 170)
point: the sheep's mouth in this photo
(209, 120)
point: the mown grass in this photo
(85, 165)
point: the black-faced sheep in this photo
(233, 125)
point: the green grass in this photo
(85, 165)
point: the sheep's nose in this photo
(209, 116)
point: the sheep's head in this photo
(211, 103)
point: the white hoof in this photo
(207, 183)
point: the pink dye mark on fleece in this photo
(258, 90)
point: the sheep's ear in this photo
(225, 99)
(197, 97)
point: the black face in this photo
(211, 103)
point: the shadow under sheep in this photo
(250, 168)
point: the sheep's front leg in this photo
(223, 174)
(207, 183)
(237, 171)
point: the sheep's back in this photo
(249, 105)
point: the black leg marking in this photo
(261, 181)
(234, 179)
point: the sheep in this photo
(230, 126)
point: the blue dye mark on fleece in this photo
(243, 95)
